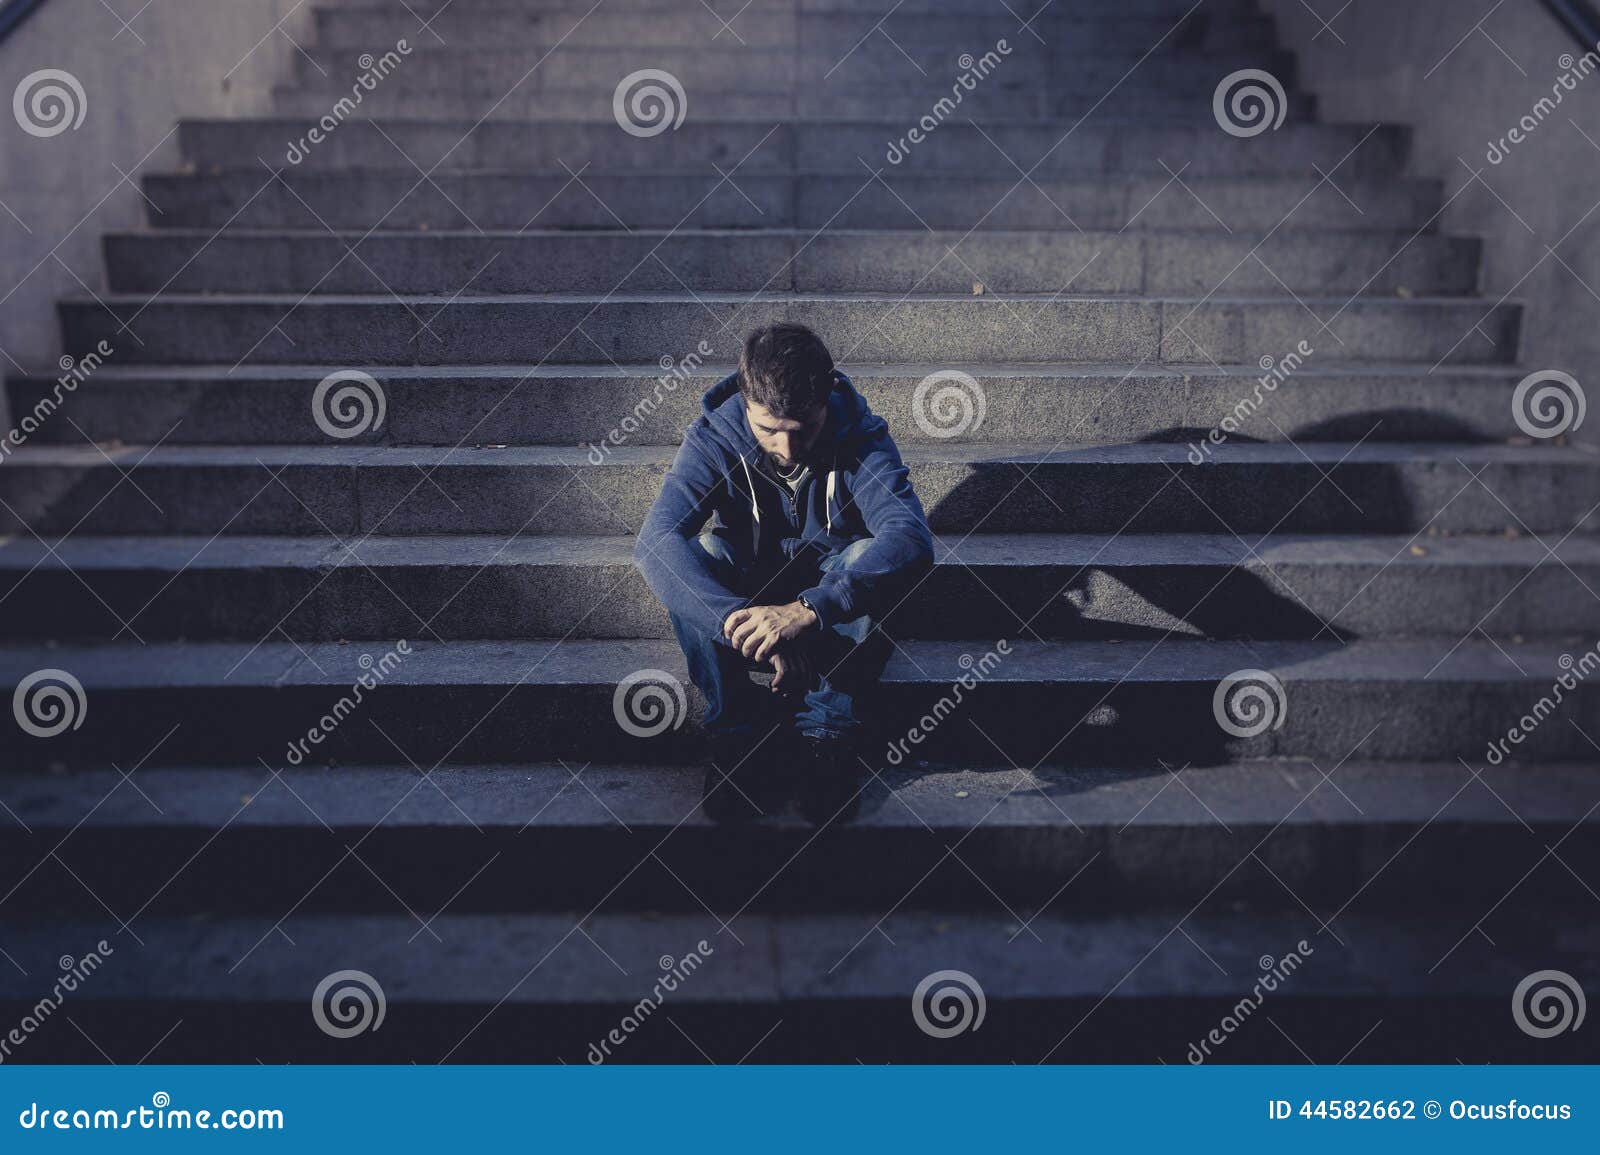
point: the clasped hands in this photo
(768, 634)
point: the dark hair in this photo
(785, 368)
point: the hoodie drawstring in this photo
(827, 505)
(755, 509)
(833, 477)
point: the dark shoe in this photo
(830, 781)
(733, 786)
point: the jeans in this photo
(846, 658)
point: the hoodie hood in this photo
(849, 423)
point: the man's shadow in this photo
(1184, 576)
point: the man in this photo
(785, 530)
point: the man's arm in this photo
(677, 570)
(760, 631)
(901, 549)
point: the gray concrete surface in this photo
(1329, 487)
(174, 58)
(1465, 86)
(1056, 586)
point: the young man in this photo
(786, 528)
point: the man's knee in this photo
(849, 554)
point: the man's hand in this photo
(756, 632)
(791, 669)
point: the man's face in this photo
(784, 439)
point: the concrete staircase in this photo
(1081, 835)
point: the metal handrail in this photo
(1579, 18)
(14, 12)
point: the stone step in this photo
(588, 405)
(596, 103)
(1316, 487)
(168, 842)
(377, 29)
(744, 148)
(922, 72)
(398, 198)
(1020, 10)
(839, 988)
(1288, 261)
(930, 64)
(1040, 586)
(1031, 703)
(442, 329)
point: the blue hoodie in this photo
(857, 487)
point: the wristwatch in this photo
(802, 600)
